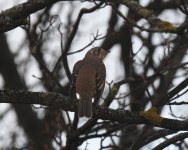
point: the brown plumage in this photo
(88, 80)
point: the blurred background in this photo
(40, 57)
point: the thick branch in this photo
(57, 100)
(15, 16)
(43, 98)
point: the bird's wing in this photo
(101, 75)
(100, 81)
(76, 68)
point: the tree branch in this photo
(172, 140)
(15, 16)
(51, 99)
(57, 100)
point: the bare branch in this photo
(53, 99)
(172, 140)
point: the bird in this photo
(88, 80)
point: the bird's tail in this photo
(85, 108)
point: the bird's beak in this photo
(106, 52)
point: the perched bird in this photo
(88, 80)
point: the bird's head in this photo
(98, 52)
